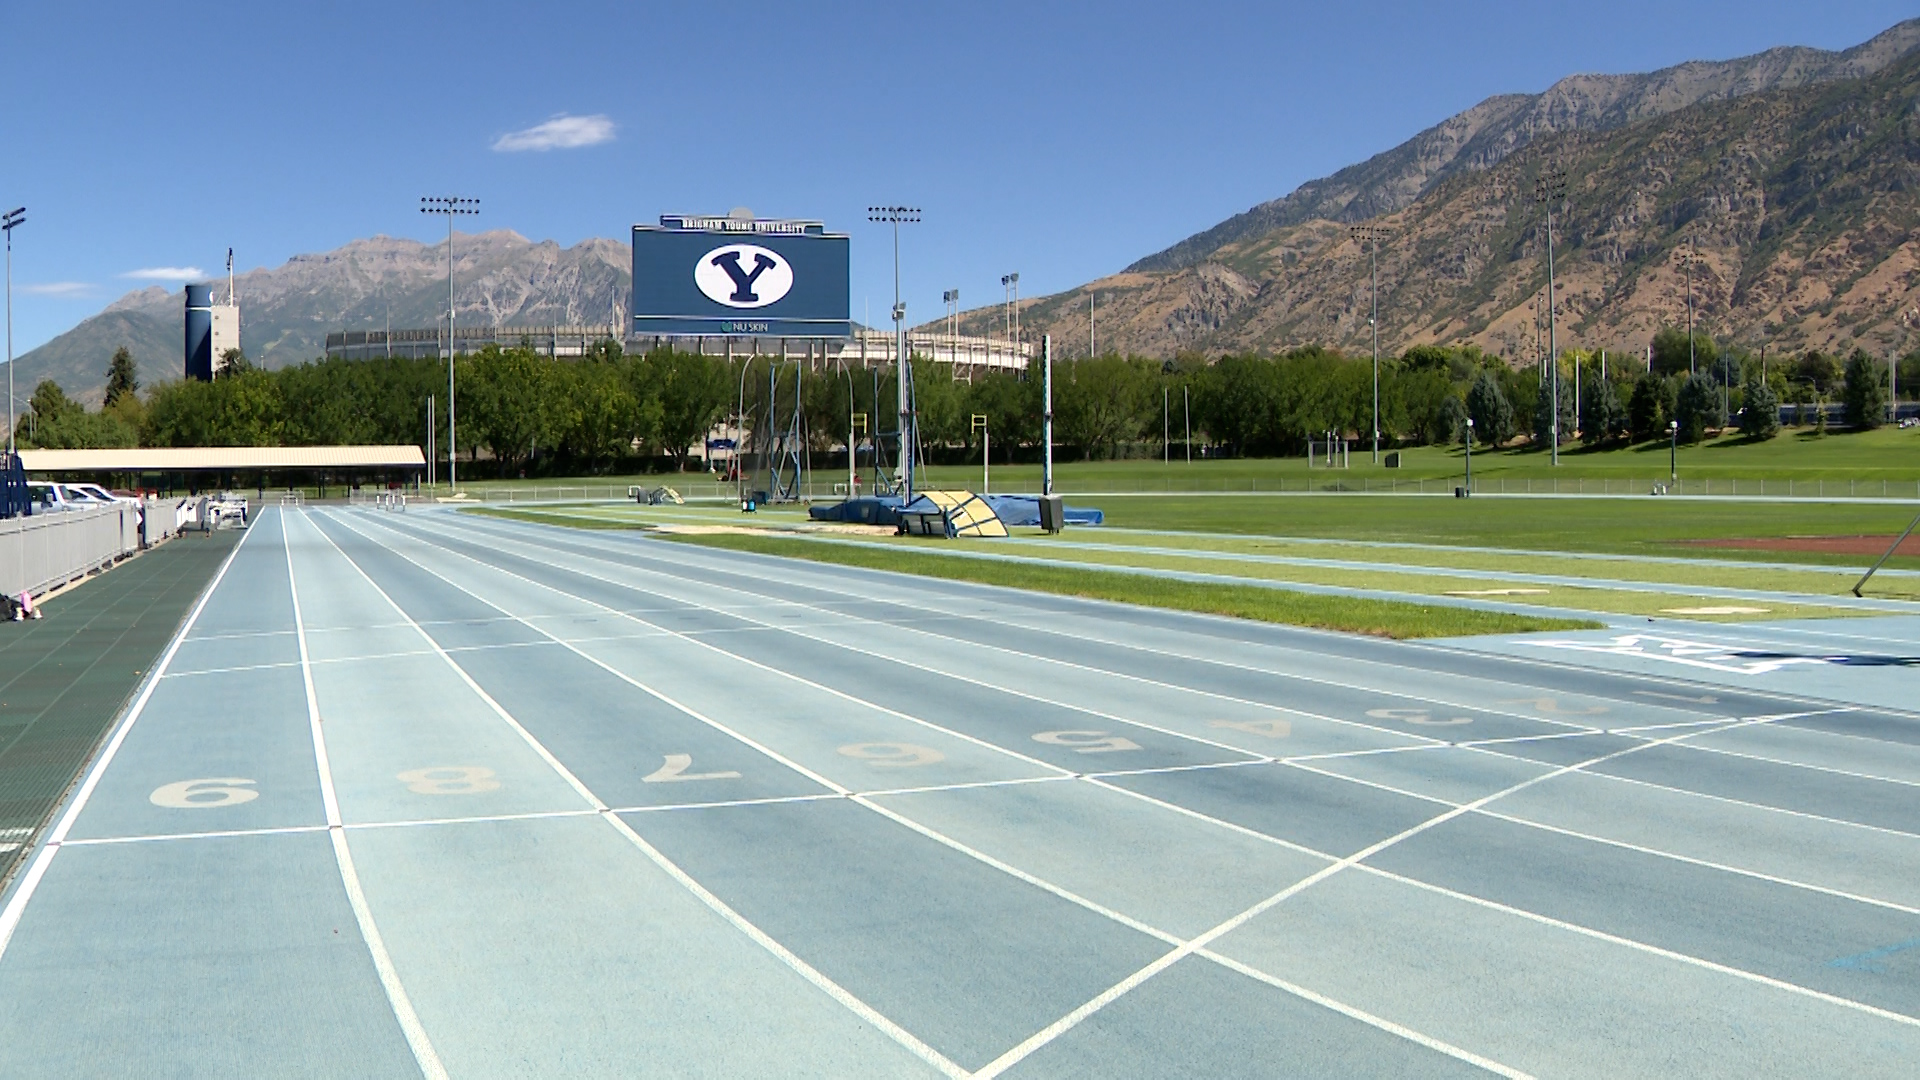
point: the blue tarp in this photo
(885, 510)
(861, 510)
(1025, 510)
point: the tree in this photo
(1759, 408)
(694, 392)
(1452, 421)
(1602, 417)
(1698, 407)
(49, 402)
(1819, 372)
(1865, 393)
(234, 362)
(1671, 356)
(1543, 414)
(122, 378)
(1646, 408)
(1102, 403)
(1488, 406)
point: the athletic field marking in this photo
(37, 869)
(1690, 793)
(1727, 659)
(1423, 717)
(1517, 787)
(450, 780)
(675, 769)
(1115, 992)
(901, 819)
(713, 902)
(1087, 742)
(892, 755)
(942, 672)
(1271, 729)
(410, 1026)
(204, 794)
(474, 527)
(1805, 765)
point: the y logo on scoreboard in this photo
(743, 276)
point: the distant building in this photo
(199, 343)
(226, 333)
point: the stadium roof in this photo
(223, 458)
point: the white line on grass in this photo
(36, 870)
(410, 1026)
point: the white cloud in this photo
(563, 132)
(60, 289)
(166, 273)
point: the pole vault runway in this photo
(430, 794)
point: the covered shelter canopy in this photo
(181, 459)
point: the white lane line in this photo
(1081, 635)
(1113, 993)
(1805, 765)
(688, 710)
(981, 856)
(1642, 849)
(1652, 950)
(944, 673)
(1692, 794)
(216, 834)
(713, 902)
(410, 1026)
(37, 869)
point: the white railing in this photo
(47, 550)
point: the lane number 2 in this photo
(1272, 729)
(1087, 742)
(893, 755)
(1416, 716)
(204, 794)
(676, 769)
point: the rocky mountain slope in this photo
(501, 278)
(1484, 135)
(1802, 205)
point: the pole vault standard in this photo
(896, 216)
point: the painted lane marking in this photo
(1702, 699)
(410, 1027)
(1727, 659)
(891, 755)
(1272, 729)
(204, 794)
(36, 870)
(1422, 716)
(675, 769)
(450, 780)
(713, 902)
(1090, 905)
(1087, 742)
(1115, 992)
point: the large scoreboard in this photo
(738, 276)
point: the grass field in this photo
(1357, 615)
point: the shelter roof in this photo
(223, 458)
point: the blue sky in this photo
(1058, 140)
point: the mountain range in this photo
(1788, 178)
(1782, 190)
(501, 278)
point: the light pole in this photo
(1371, 235)
(1551, 188)
(897, 216)
(1673, 452)
(11, 220)
(1469, 455)
(979, 424)
(452, 206)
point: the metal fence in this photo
(1321, 482)
(47, 550)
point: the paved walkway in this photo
(65, 677)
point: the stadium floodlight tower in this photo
(1551, 188)
(898, 216)
(453, 206)
(1371, 235)
(12, 220)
